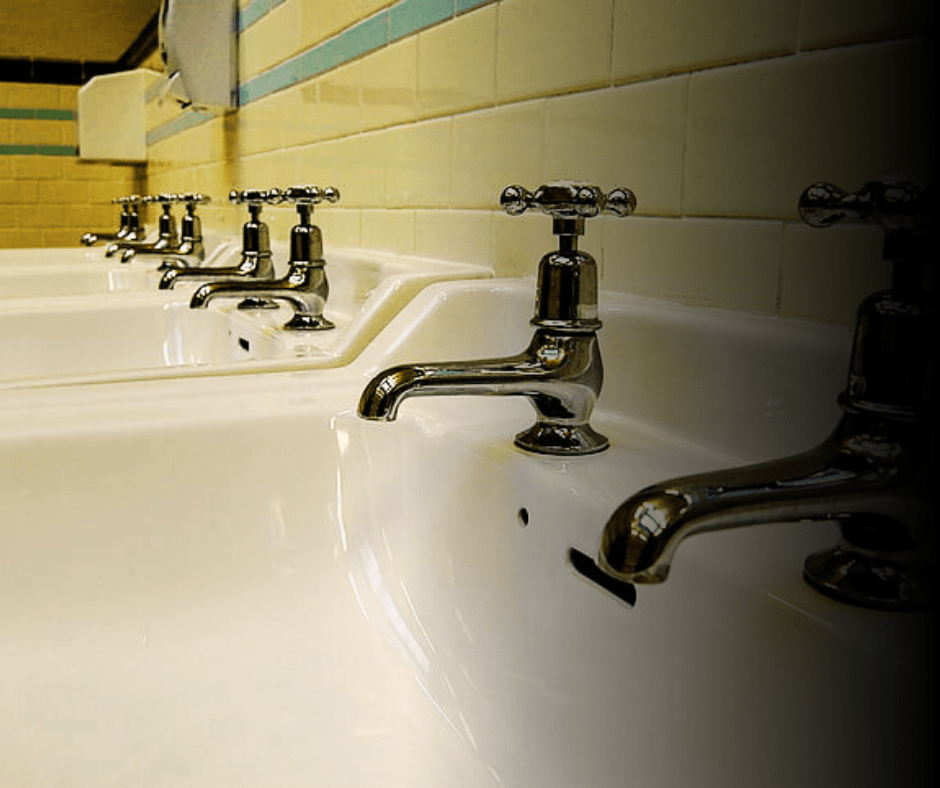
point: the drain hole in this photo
(523, 517)
(584, 565)
(244, 344)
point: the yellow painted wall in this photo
(717, 113)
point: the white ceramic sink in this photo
(149, 332)
(175, 607)
(74, 279)
(53, 256)
(236, 581)
(44, 273)
(153, 334)
(733, 672)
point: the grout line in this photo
(800, 22)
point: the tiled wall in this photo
(717, 113)
(48, 197)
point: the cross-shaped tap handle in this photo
(193, 198)
(309, 194)
(893, 204)
(254, 197)
(568, 200)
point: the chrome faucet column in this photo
(255, 259)
(166, 230)
(561, 372)
(874, 475)
(129, 228)
(305, 287)
(190, 248)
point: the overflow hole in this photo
(523, 517)
(244, 344)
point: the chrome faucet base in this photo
(559, 373)
(252, 304)
(304, 322)
(563, 440)
(871, 579)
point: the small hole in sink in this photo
(523, 517)
(244, 344)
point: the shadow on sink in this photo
(734, 672)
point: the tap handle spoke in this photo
(308, 194)
(568, 200)
(191, 199)
(906, 205)
(254, 197)
(165, 199)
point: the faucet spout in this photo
(305, 288)
(254, 266)
(559, 372)
(870, 475)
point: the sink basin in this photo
(53, 256)
(734, 671)
(236, 581)
(43, 273)
(175, 607)
(149, 334)
(73, 279)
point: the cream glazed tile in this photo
(631, 136)
(653, 37)
(418, 172)
(760, 133)
(825, 274)
(713, 262)
(457, 64)
(389, 84)
(519, 242)
(495, 148)
(389, 230)
(275, 37)
(833, 22)
(455, 236)
(529, 29)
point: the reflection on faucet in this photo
(190, 248)
(305, 287)
(872, 475)
(256, 247)
(130, 228)
(166, 230)
(561, 371)
(560, 374)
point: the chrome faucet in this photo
(166, 229)
(560, 372)
(130, 228)
(305, 287)
(872, 475)
(256, 246)
(190, 248)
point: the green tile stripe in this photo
(38, 150)
(178, 124)
(252, 12)
(363, 37)
(26, 113)
(410, 16)
(402, 19)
